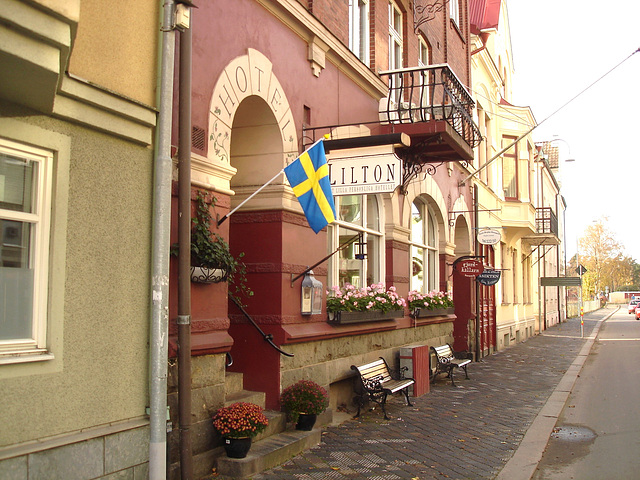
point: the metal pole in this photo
(159, 328)
(184, 256)
(580, 294)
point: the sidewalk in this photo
(495, 425)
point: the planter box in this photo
(208, 275)
(437, 312)
(343, 318)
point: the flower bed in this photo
(372, 298)
(432, 301)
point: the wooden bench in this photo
(447, 362)
(375, 382)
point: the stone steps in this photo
(276, 445)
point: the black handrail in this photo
(266, 336)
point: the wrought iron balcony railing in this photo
(430, 93)
(546, 221)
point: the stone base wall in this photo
(115, 451)
(509, 335)
(328, 362)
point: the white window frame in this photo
(374, 260)
(429, 249)
(454, 11)
(359, 29)
(40, 221)
(424, 51)
(396, 43)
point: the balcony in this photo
(546, 228)
(432, 106)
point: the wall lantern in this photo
(311, 302)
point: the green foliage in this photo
(210, 250)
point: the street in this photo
(597, 435)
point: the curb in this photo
(525, 460)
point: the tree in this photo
(603, 257)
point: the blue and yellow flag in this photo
(309, 178)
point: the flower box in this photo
(436, 312)
(344, 318)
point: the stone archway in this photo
(252, 137)
(463, 289)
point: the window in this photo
(424, 236)
(423, 61)
(454, 11)
(25, 198)
(359, 29)
(395, 49)
(526, 279)
(510, 169)
(514, 285)
(357, 214)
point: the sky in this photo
(561, 47)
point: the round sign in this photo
(470, 267)
(489, 237)
(489, 277)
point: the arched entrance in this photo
(463, 290)
(252, 137)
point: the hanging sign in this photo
(489, 236)
(489, 277)
(470, 267)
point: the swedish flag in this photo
(309, 178)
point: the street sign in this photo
(469, 267)
(489, 237)
(581, 270)
(489, 277)
(560, 282)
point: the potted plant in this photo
(238, 424)
(430, 304)
(211, 258)
(350, 304)
(304, 401)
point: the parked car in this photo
(637, 311)
(632, 305)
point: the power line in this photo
(499, 154)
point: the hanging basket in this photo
(208, 275)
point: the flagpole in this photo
(249, 197)
(262, 187)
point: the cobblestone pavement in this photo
(468, 432)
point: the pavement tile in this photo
(464, 432)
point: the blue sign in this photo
(489, 277)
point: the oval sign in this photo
(470, 267)
(489, 277)
(489, 237)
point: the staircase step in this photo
(233, 382)
(268, 453)
(245, 396)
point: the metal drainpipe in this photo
(184, 256)
(159, 328)
(475, 246)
